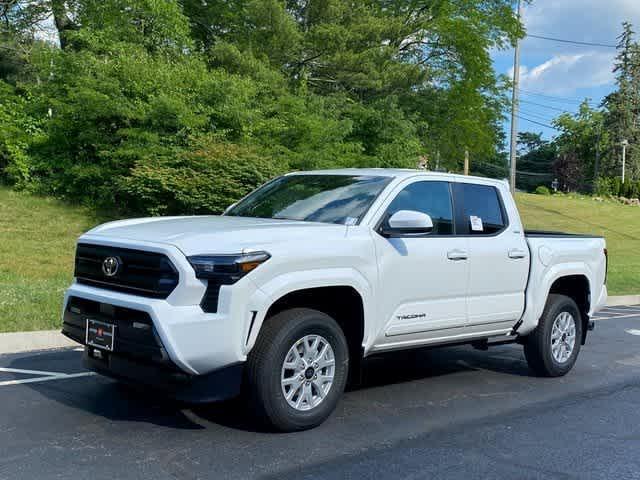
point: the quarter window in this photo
(481, 209)
(432, 198)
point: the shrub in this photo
(603, 186)
(616, 187)
(204, 178)
(542, 190)
(17, 129)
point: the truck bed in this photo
(559, 254)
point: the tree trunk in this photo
(63, 22)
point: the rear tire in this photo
(552, 348)
(297, 370)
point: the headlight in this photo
(229, 267)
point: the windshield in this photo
(341, 199)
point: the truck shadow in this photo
(396, 368)
(409, 365)
(99, 395)
(119, 402)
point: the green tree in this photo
(132, 100)
(582, 138)
(432, 57)
(622, 119)
(536, 157)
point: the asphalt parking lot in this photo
(445, 413)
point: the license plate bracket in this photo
(100, 334)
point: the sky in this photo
(555, 76)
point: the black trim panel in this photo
(549, 234)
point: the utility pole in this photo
(596, 167)
(466, 161)
(514, 110)
(625, 144)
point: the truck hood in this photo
(214, 234)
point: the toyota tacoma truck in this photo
(281, 297)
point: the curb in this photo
(623, 300)
(18, 342)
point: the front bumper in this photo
(139, 356)
(178, 341)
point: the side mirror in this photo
(407, 223)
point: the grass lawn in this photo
(619, 224)
(37, 238)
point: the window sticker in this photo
(476, 223)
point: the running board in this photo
(485, 343)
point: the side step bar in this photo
(485, 343)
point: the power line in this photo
(555, 98)
(536, 115)
(537, 174)
(538, 123)
(549, 107)
(573, 42)
(501, 168)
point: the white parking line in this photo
(60, 376)
(28, 372)
(47, 376)
(621, 309)
(616, 317)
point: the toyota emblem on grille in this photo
(110, 266)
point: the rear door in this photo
(423, 279)
(498, 256)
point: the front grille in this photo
(147, 274)
(135, 334)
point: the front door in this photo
(423, 280)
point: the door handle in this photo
(517, 253)
(457, 255)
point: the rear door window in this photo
(480, 209)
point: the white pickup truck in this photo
(282, 296)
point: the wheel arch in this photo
(343, 303)
(558, 278)
(343, 294)
(576, 287)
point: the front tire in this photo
(297, 370)
(552, 348)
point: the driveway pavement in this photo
(444, 413)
